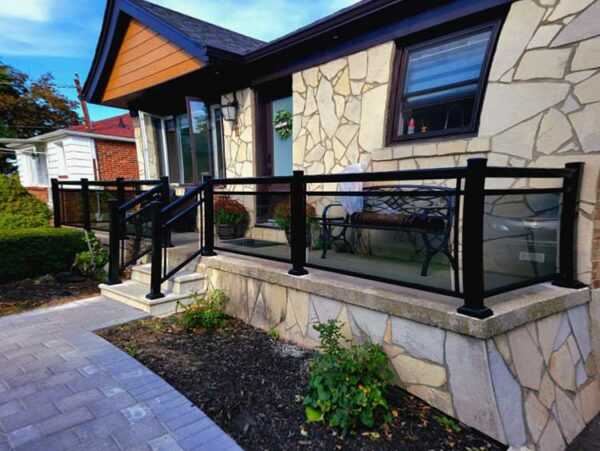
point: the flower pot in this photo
(288, 235)
(230, 231)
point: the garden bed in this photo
(44, 291)
(252, 386)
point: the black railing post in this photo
(165, 195)
(85, 204)
(120, 190)
(298, 224)
(56, 202)
(121, 200)
(156, 274)
(472, 240)
(209, 213)
(114, 235)
(567, 255)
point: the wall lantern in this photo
(229, 110)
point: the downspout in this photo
(95, 167)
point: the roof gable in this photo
(144, 59)
(201, 32)
(191, 35)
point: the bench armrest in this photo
(326, 209)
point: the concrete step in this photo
(184, 282)
(134, 294)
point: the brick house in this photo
(103, 152)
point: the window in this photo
(440, 84)
(154, 140)
(216, 126)
(39, 170)
(198, 115)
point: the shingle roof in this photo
(113, 126)
(200, 32)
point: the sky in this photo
(60, 36)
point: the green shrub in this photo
(207, 311)
(91, 261)
(347, 385)
(19, 208)
(35, 252)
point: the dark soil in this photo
(43, 291)
(252, 386)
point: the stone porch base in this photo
(525, 376)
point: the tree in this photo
(30, 107)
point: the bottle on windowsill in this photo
(411, 126)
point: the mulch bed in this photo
(45, 291)
(252, 386)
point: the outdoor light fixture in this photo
(229, 110)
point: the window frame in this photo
(399, 80)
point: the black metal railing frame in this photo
(473, 176)
(120, 212)
(119, 187)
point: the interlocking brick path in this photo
(62, 387)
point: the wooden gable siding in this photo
(146, 59)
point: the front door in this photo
(274, 155)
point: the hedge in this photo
(35, 252)
(19, 208)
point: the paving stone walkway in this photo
(62, 387)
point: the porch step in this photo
(134, 294)
(184, 282)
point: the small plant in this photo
(450, 424)
(347, 385)
(206, 311)
(91, 262)
(132, 350)
(273, 333)
(283, 215)
(230, 212)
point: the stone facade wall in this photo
(139, 149)
(239, 136)
(537, 384)
(541, 107)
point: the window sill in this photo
(431, 137)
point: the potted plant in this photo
(231, 218)
(283, 218)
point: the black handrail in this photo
(139, 199)
(118, 219)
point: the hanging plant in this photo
(282, 123)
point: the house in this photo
(104, 151)
(395, 85)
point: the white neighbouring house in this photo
(104, 151)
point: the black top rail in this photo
(252, 180)
(109, 182)
(409, 174)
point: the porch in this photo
(501, 315)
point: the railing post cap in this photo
(477, 161)
(298, 172)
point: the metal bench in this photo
(423, 210)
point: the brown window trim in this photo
(399, 73)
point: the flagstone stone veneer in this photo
(541, 108)
(528, 377)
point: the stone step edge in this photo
(121, 291)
